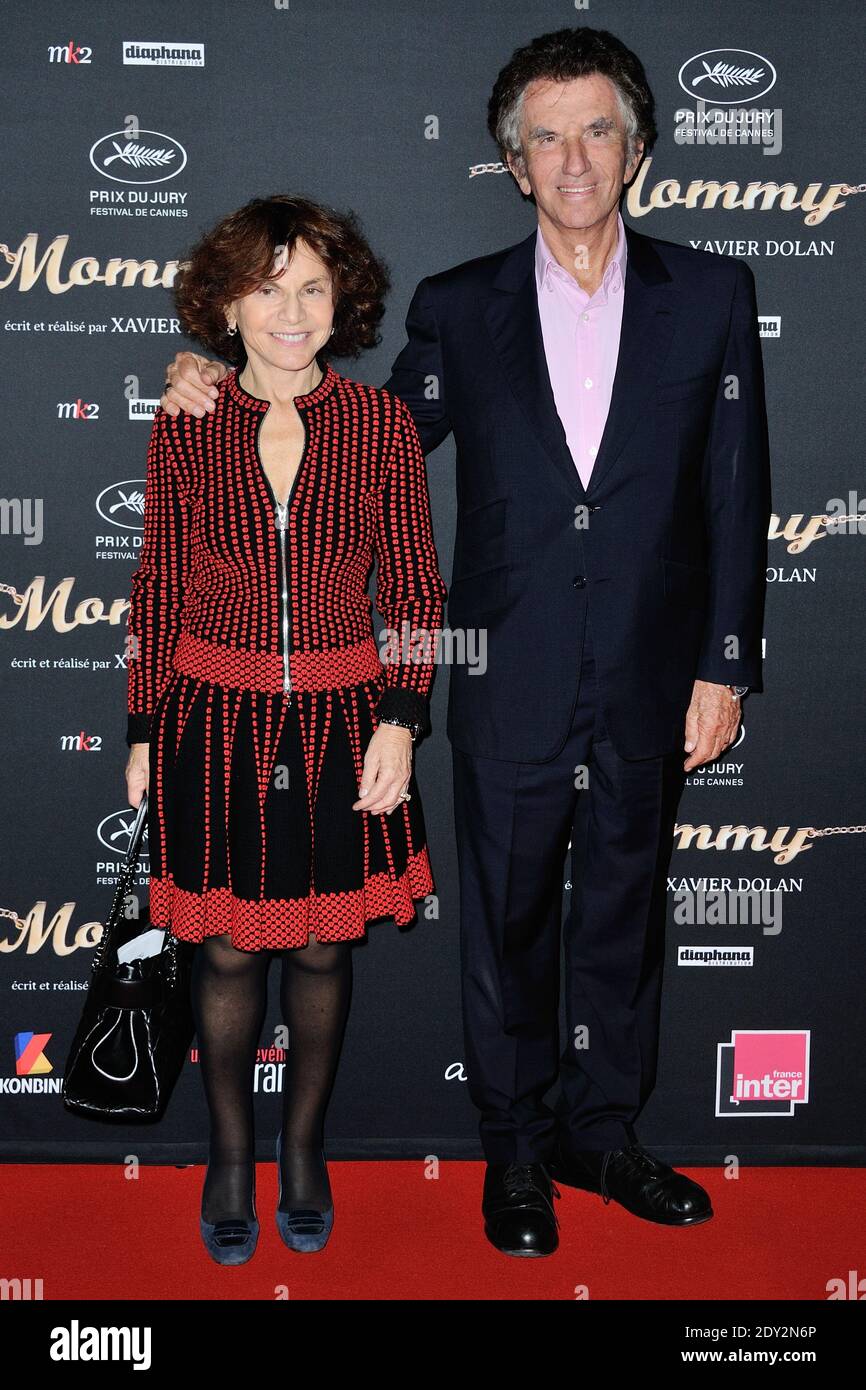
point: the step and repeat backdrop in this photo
(126, 134)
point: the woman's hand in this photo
(137, 772)
(387, 770)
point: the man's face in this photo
(574, 142)
(285, 321)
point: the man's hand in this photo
(193, 384)
(712, 720)
(387, 769)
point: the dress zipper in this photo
(281, 526)
(281, 519)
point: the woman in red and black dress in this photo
(275, 741)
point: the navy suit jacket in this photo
(667, 548)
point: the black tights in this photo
(229, 999)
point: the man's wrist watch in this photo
(414, 728)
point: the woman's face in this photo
(285, 321)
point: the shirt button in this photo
(592, 451)
(585, 317)
(588, 382)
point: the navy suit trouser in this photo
(513, 822)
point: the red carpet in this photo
(90, 1233)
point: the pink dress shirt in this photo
(581, 345)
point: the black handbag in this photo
(137, 1023)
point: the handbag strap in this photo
(105, 947)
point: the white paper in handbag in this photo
(148, 943)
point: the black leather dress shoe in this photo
(518, 1209)
(642, 1184)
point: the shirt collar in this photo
(547, 265)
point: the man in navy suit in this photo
(605, 391)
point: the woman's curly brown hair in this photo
(237, 256)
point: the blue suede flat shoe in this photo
(231, 1242)
(303, 1228)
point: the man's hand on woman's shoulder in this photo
(193, 384)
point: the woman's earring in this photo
(231, 330)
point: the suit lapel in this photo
(647, 325)
(515, 327)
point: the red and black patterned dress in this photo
(255, 675)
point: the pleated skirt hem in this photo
(280, 923)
